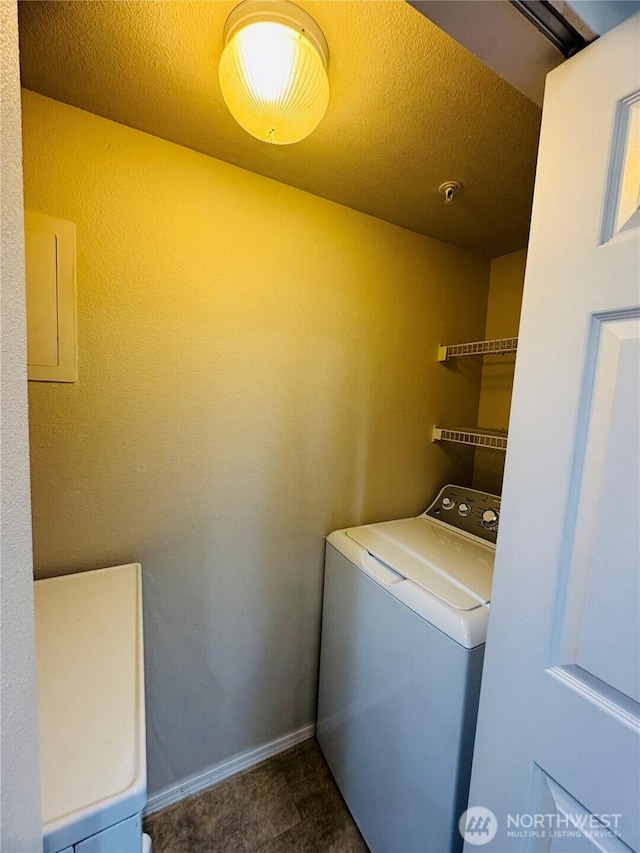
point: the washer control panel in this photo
(468, 510)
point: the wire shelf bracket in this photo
(475, 438)
(499, 346)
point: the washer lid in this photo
(454, 568)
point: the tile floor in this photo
(288, 804)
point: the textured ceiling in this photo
(409, 109)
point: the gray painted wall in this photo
(257, 367)
(20, 827)
(501, 37)
(603, 15)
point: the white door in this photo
(558, 739)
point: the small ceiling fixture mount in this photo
(448, 189)
(273, 70)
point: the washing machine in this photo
(406, 605)
(89, 653)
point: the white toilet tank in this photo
(89, 652)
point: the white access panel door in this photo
(51, 298)
(558, 739)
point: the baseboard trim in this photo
(225, 769)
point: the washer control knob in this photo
(448, 503)
(464, 509)
(490, 519)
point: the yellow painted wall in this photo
(257, 366)
(503, 319)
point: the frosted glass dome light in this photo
(273, 70)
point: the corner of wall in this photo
(21, 827)
(503, 319)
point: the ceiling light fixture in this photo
(273, 70)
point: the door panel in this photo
(559, 720)
(575, 829)
(604, 589)
(621, 209)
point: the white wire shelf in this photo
(499, 346)
(490, 439)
